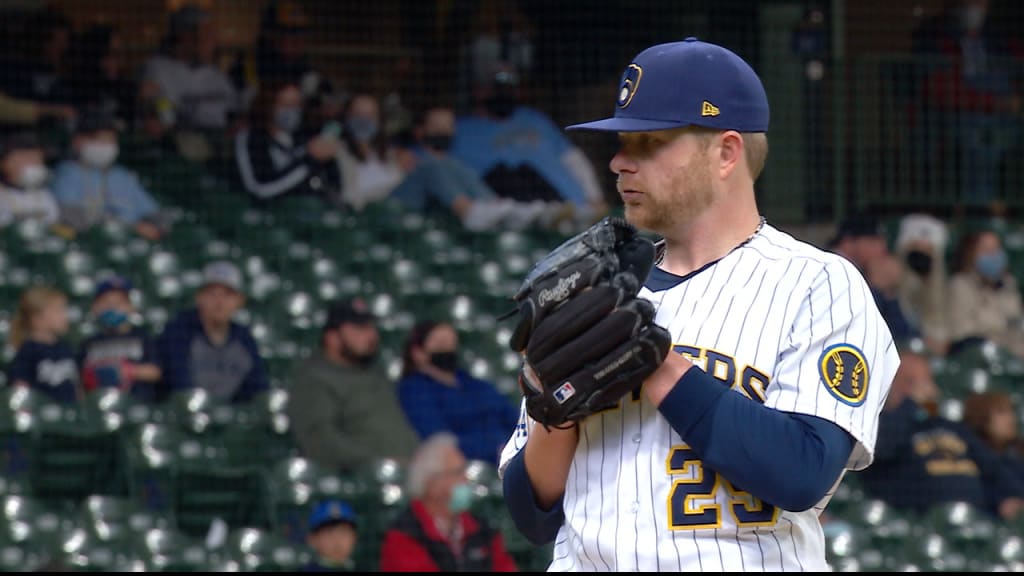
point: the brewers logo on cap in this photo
(844, 371)
(630, 83)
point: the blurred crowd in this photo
(482, 154)
(943, 298)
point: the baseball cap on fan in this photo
(687, 83)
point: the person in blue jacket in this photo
(204, 347)
(437, 395)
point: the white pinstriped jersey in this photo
(778, 321)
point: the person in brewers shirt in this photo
(203, 347)
(44, 360)
(120, 354)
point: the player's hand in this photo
(664, 379)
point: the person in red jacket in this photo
(437, 532)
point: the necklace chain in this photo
(760, 225)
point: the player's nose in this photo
(621, 163)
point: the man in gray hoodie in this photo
(343, 409)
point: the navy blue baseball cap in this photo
(331, 512)
(687, 83)
(113, 283)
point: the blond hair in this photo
(31, 303)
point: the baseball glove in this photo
(585, 337)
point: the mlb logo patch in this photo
(564, 392)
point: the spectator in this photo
(436, 180)
(343, 409)
(281, 46)
(884, 275)
(40, 74)
(276, 159)
(921, 244)
(121, 354)
(923, 459)
(44, 360)
(991, 416)
(24, 194)
(333, 534)
(968, 96)
(439, 396)
(203, 347)
(98, 80)
(860, 239)
(92, 187)
(985, 300)
(437, 532)
(376, 171)
(522, 154)
(16, 113)
(194, 98)
(498, 32)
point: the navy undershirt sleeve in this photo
(788, 460)
(538, 526)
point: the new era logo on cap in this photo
(687, 83)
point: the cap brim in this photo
(616, 124)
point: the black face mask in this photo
(446, 361)
(361, 360)
(919, 262)
(439, 142)
(502, 104)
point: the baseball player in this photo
(777, 362)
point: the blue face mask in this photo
(461, 498)
(992, 265)
(362, 129)
(111, 318)
(288, 119)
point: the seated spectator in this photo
(281, 46)
(921, 244)
(439, 396)
(992, 417)
(969, 102)
(24, 193)
(92, 187)
(985, 300)
(333, 534)
(40, 74)
(884, 275)
(923, 459)
(16, 113)
(44, 360)
(436, 180)
(203, 347)
(275, 158)
(522, 154)
(366, 147)
(860, 239)
(343, 409)
(194, 98)
(98, 79)
(120, 354)
(437, 532)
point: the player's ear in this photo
(730, 153)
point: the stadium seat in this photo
(117, 519)
(202, 493)
(114, 409)
(966, 528)
(154, 452)
(168, 550)
(70, 461)
(258, 550)
(27, 520)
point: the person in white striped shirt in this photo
(725, 457)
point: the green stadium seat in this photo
(70, 461)
(81, 551)
(154, 453)
(258, 550)
(114, 409)
(966, 528)
(168, 550)
(201, 494)
(117, 519)
(27, 520)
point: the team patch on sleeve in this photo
(844, 371)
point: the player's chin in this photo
(638, 215)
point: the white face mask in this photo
(33, 176)
(99, 154)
